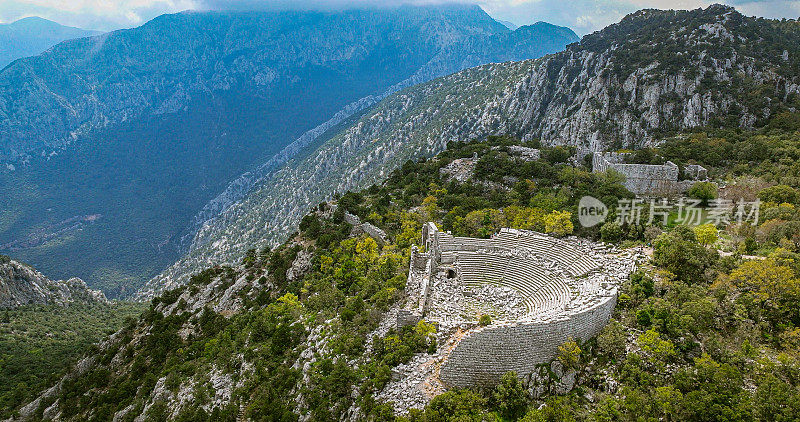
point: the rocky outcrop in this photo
(21, 285)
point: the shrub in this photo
(706, 234)
(558, 223)
(611, 232)
(509, 397)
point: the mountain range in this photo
(652, 74)
(118, 148)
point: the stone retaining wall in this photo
(484, 355)
(418, 288)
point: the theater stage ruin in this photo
(539, 291)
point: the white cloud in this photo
(581, 15)
(93, 14)
(585, 16)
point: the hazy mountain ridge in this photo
(621, 86)
(90, 83)
(31, 36)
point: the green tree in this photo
(569, 355)
(706, 234)
(773, 288)
(778, 194)
(704, 191)
(558, 223)
(611, 232)
(556, 409)
(612, 340)
(685, 258)
(656, 349)
(455, 406)
(509, 397)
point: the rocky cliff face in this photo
(655, 72)
(21, 285)
(658, 72)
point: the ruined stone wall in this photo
(375, 233)
(529, 154)
(668, 171)
(641, 179)
(407, 317)
(371, 230)
(484, 355)
(418, 286)
(351, 219)
(448, 243)
(695, 172)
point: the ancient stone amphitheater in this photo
(540, 292)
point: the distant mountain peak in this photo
(510, 25)
(33, 35)
(31, 19)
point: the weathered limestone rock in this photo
(22, 285)
(460, 169)
(368, 228)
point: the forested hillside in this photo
(40, 343)
(300, 332)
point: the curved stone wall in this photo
(486, 353)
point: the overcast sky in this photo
(583, 16)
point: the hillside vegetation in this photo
(40, 343)
(298, 332)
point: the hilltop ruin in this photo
(648, 179)
(539, 292)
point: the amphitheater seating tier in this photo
(541, 292)
(574, 261)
